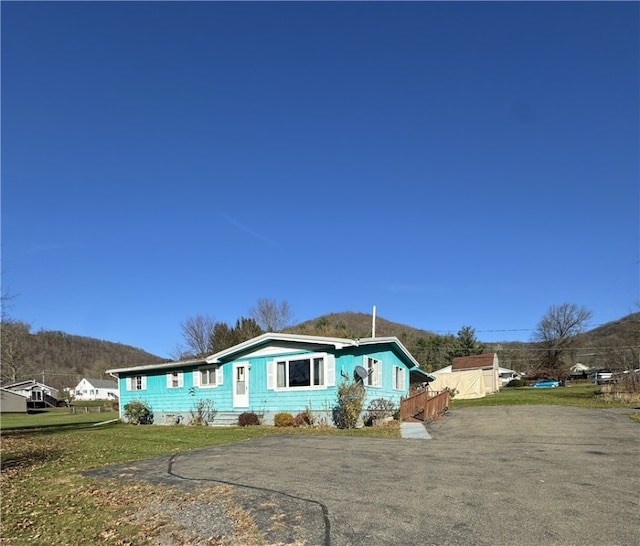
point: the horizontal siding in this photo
(182, 400)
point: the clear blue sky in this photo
(451, 163)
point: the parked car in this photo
(547, 383)
(600, 378)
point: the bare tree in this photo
(197, 332)
(554, 333)
(272, 316)
(13, 343)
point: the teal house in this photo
(272, 373)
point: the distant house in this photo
(507, 375)
(96, 389)
(272, 373)
(38, 395)
(12, 402)
(472, 376)
(579, 370)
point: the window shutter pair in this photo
(180, 378)
(132, 382)
(219, 376)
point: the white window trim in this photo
(180, 377)
(328, 372)
(132, 383)
(399, 385)
(376, 376)
(219, 377)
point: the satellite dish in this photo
(361, 373)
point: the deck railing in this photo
(424, 405)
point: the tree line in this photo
(550, 352)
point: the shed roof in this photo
(473, 362)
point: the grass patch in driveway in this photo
(46, 499)
(635, 416)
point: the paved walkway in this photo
(416, 431)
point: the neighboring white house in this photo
(579, 369)
(507, 375)
(96, 389)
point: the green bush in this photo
(138, 412)
(283, 419)
(351, 396)
(517, 383)
(248, 419)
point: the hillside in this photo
(614, 345)
(352, 324)
(63, 359)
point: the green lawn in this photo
(585, 396)
(47, 500)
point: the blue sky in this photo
(450, 163)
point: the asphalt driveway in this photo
(519, 475)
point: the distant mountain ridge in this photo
(63, 359)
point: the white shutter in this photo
(330, 376)
(169, 380)
(404, 379)
(378, 372)
(271, 375)
(196, 378)
(219, 375)
(144, 382)
(129, 386)
(180, 379)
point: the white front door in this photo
(241, 385)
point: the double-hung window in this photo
(137, 383)
(208, 377)
(374, 371)
(175, 380)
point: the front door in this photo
(241, 385)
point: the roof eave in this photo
(336, 342)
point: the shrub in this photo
(379, 409)
(203, 412)
(248, 419)
(138, 412)
(350, 401)
(283, 419)
(517, 383)
(304, 418)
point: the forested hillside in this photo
(62, 359)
